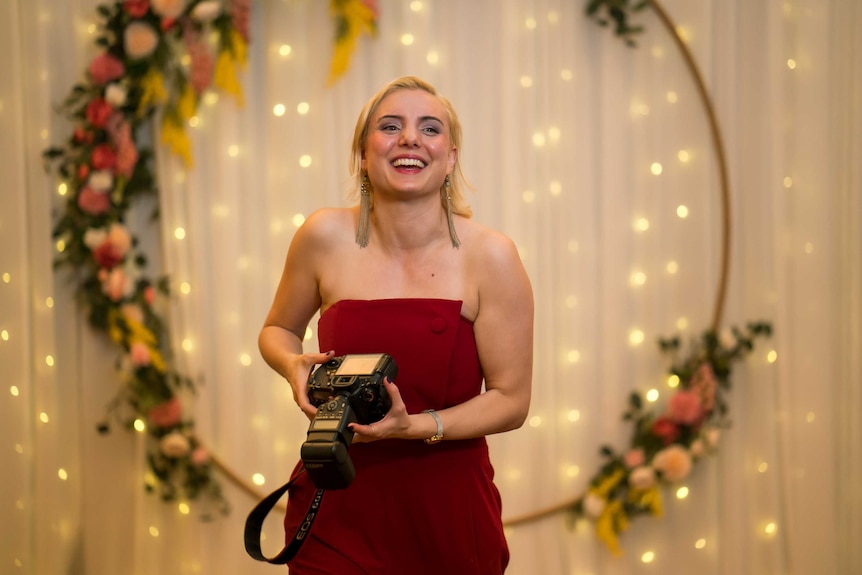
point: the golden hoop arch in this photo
(721, 294)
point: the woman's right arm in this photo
(296, 300)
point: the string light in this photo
(648, 557)
(284, 50)
(305, 161)
(139, 425)
(416, 6)
(636, 337)
(302, 108)
(762, 467)
(407, 39)
(573, 415)
(258, 479)
(432, 57)
(535, 421)
(682, 492)
(652, 395)
(641, 225)
(278, 110)
(530, 23)
(673, 381)
(526, 82)
(772, 356)
(700, 544)
(656, 168)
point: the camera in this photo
(346, 389)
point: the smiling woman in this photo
(423, 309)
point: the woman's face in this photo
(408, 149)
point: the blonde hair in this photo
(457, 182)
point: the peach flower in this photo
(175, 445)
(140, 40)
(593, 505)
(206, 11)
(642, 477)
(673, 462)
(94, 237)
(116, 284)
(139, 353)
(120, 238)
(132, 312)
(171, 9)
(116, 95)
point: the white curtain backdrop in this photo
(565, 128)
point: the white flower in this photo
(594, 505)
(101, 181)
(116, 95)
(727, 339)
(140, 40)
(206, 11)
(642, 477)
(168, 8)
(94, 237)
(712, 436)
(175, 445)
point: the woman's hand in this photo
(299, 367)
(394, 424)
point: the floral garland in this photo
(665, 445)
(156, 58)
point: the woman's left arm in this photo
(504, 338)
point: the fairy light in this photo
(641, 225)
(526, 82)
(809, 248)
(791, 63)
(536, 421)
(673, 381)
(638, 278)
(574, 356)
(700, 543)
(62, 474)
(245, 359)
(683, 156)
(809, 417)
(7, 278)
(258, 479)
(61, 245)
(49, 302)
(432, 58)
(194, 122)
(566, 74)
(530, 24)
(43, 417)
(648, 557)
(682, 212)
(682, 323)
(180, 233)
(4, 335)
(573, 246)
(154, 531)
(672, 97)
(573, 415)
(656, 168)
(13, 390)
(572, 471)
(407, 39)
(763, 467)
(672, 267)
(305, 161)
(284, 50)
(278, 110)
(657, 52)
(553, 17)
(62, 189)
(49, 360)
(788, 182)
(682, 492)
(416, 6)
(652, 395)
(772, 356)
(770, 529)
(539, 140)
(185, 288)
(139, 425)
(233, 150)
(636, 337)
(556, 188)
(302, 108)
(184, 508)
(529, 196)
(187, 345)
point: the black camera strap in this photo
(254, 526)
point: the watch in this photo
(437, 437)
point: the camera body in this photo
(346, 389)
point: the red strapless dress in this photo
(413, 509)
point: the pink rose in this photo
(166, 414)
(136, 8)
(83, 172)
(98, 112)
(105, 68)
(139, 354)
(92, 202)
(666, 430)
(115, 284)
(120, 239)
(104, 157)
(149, 295)
(634, 458)
(673, 462)
(140, 40)
(703, 383)
(200, 456)
(685, 408)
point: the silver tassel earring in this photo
(364, 212)
(452, 234)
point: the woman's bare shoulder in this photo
(327, 226)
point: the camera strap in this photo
(254, 526)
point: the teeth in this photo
(408, 162)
